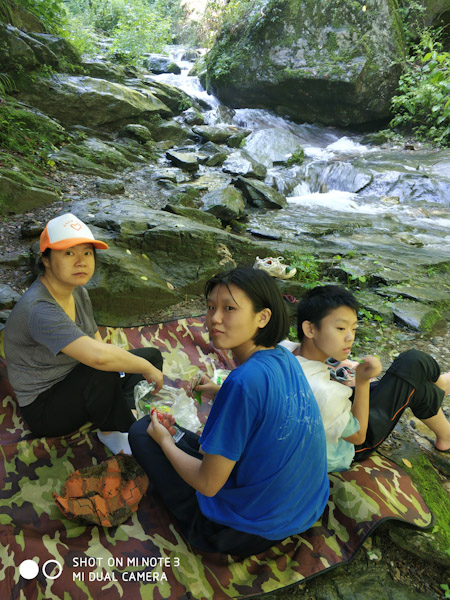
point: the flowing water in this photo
(350, 193)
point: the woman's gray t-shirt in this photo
(36, 331)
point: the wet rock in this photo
(225, 204)
(421, 543)
(172, 174)
(177, 100)
(265, 233)
(139, 132)
(259, 194)
(153, 256)
(112, 186)
(8, 297)
(310, 65)
(59, 46)
(216, 154)
(192, 116)
(195, 214)
(217, 134)
(169, 131)
(271, 146)
(241, 163)
(414, 315)
(70, 160)
(100, 70)
(236, 140)
(375, 305)
(188, 161)
(20, 50)
(158, 63)
(16, 197)
(429, 295)
(89, 101)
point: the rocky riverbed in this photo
(382, 568)
(375, 218)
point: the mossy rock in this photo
(433, 544)
(15, 197)
(415, 315)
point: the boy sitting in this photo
(357, 420)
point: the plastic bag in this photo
(220, 375)
(143, 396)
(168, 399)
(185, 412)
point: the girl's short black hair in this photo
(263, 292)
(320, 301)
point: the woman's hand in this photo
(154, 375)
(204, 385)
(158, 432)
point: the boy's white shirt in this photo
(333, 398)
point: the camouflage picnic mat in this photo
(146, 557)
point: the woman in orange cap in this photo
(62, 372)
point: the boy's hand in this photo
(370, 367)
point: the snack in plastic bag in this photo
(168, 421)
(143, 395)
(220, 375)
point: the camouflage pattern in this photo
(146, 558)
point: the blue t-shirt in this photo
(266, 419)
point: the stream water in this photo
(349, 193)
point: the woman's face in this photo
(73, 266)
(232, 321)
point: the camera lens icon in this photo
(29, 569)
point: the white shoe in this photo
(273, 267)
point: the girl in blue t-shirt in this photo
(258, 472)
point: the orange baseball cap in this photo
(66, 231)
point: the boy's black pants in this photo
(407, 382)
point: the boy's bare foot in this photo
(442, 445)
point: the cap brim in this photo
(64, 244)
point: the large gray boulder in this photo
(154, 258)
(21, 51)
(332, 61)
(91, 102)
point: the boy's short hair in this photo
(263, 292)
(320, 301)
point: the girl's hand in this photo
(157, 431)
(370, 367)
(204, 385)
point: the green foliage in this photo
(229, 15)
(6, 84)
(32, 136)
(296, 158)
(308, 268)
(79, 33)
(140, 30)
(50, 12)
(136, 27)
(412, 14)
(423, 102)
(446, 590)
